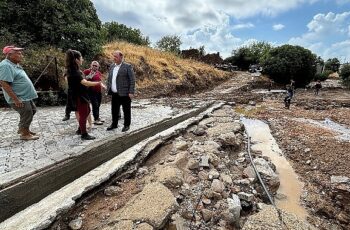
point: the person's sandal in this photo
(29, 137)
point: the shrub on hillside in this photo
(323, 76)
(345, 74)
(41, 61)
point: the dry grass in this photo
(164, 74)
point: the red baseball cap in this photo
(7, 49)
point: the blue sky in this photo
(323, 26)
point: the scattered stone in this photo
(240, 160)
(192, 164)
(203, 175)
(307, 150)
(213, 159)
(252, 103)
(228, 140)
(249, 172)
(206, 201)
(308, 162)
(170, 159)
(207, 214)
(76, 223)
(153, 205)
(234, 207)
(246, 196)
(204, 161)
(180, 145)
(226, 179)
(268, 218)
(143, 171)
(199, 131)
(242, 181)
(217, 186)
(113, 191)
(340, 180)
(191, 179)
(213, 174)
(144, 226)
(187, 214)
(263, 167)
(170, 176)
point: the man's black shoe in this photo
(66, 118)
(111, 127)
(87, 137)
(125, 128)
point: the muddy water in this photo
(291, 187)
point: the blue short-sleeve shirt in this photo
(19, 81)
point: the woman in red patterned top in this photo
(95, 95)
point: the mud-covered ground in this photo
(309, 138)
(306, 134)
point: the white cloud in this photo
(277, 27)
(326, 33)
(243, 26)
(215, 38)
(198, 22)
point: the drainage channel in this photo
(33, 188)
(290, 186)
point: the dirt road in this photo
(313, 134)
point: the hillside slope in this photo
(164, 74)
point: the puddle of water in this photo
(265, 91)
(331, 125)
(290, 186)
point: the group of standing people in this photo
(84, 87)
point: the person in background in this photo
(78, 88)
(318, 86)
(69, 105)
(121, 86)
(288, 98)
(18, 89)
(94, 75)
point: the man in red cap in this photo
(18, 90)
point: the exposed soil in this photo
(316, 153)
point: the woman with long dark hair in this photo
(77, 85)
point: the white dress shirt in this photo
(114, 78)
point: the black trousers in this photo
(70, 106)
(95, 99)
(125, 102)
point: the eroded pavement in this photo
(58, 140)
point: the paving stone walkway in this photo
(58, 140)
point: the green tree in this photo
(64, 24)
(254, 53)
(201, 50)
(113, 31)
(290, 62)
(332, 64)
(241, 57)
(345, 74)
(170, 43)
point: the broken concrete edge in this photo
(40, 215)
(6, 183)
